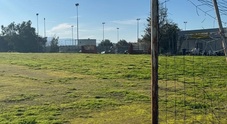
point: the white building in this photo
(85, 42)
(200, 41)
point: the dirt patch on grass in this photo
(25, 72)
(14, 70)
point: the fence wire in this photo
(192, 89)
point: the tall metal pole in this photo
(37, 14)
(117, 34)
(103, 32)
(221, 30)
(154, 58)
(44, 27)
(77, 4)
(185, 24)
(138, 19)
(72, 34)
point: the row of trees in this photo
(107, 46)
(23, 38)
(109, 43)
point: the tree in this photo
(9, 36)
(54, 44)
(122, 43)
(122, 46)
(22, 38)
(167, 35)
(3, 45)
(106, 46)
(106, 43)
(168, 38)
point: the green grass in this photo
(95, 88)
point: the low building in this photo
(203, 41)
(139, 48)
(88, 49)
(84, 42)
(87, 45)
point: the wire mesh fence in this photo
(192, 89)
(192, 84)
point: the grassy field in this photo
(114, 89)
(193, 89)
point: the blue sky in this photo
(61, 15)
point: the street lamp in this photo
(138, 19)
(117, 34)
(185, 24)
(37, 14)
(72, 34)
(44, 27)
(77, 4)
(103, 38)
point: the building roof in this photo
(202, 33)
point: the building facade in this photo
(204, 41)
(85, 42)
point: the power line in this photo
(222, 5)
(208, 3)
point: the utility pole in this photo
(221, 30)
(154, 62)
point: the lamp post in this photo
(103, 33)
(44, 27)
(138, 19)
(72, 34)
(77, 4)
(117, 34)
(185, 24)
(37, 14)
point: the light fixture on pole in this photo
(138, 19)
(117, 34)
(103, 35)
(185, 24)
(44, 27)
(37, 14)
(77, 22)
(72, 34)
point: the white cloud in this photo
(63, 30)
(61, 27)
